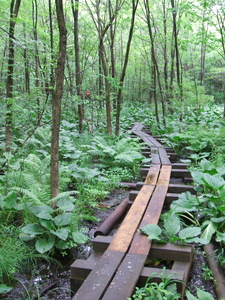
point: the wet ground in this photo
(48, 283)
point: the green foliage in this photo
(202, 295)
(172, 231)
(209, 205)
(53, 228)
(15, 255)
(207, 273)
(166, 289)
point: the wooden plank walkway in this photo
(115, 272)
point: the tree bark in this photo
(175, 32)
(122, 77)
(57, 99)
(75, 10)
(14, 9)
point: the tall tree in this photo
(57, 99)
(155, 64)
(75, 10)
(175, 34)
(122, 76)
(14, 9)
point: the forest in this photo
(75, 75)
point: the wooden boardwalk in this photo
(117, 264)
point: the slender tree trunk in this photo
(37, 73)
(57, 99)
(75, 10)
(154, 59)
(122, 77)
(52, 71)
(14, 9)
(175, 32)
(26, 64)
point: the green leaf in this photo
(204, 295)
(220, 236)
(62, 245)
(79, 237)
(65, 203)
(63, 219)
(42, 211)
(47, 224)
(186, 202)
(189, 232)
(62, 233)
(214, 182)
(4, 288)
(208, 232)
(32, 229)
(153, 231)
(172, 223)
(198, 176)
(190, 296)
(45, 244)
(10, 200)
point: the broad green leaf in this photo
(45, 244)
(79, 237)
(190, 296)
(172, 223)
(186, 202)
(218, 220)
(41, 208)
(4, 288)
(220, 236)
(208, 232)
(62, 233)
(65, 203)
(198, 176)
(63, 219)
(214, 182)
(32, 229)
(152, 231)
(222, 209)
(62, 245)
(48, 224)
(189, 232)
(202, 295)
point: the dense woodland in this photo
(74, 76)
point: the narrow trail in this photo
(118, 262)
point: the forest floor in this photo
(48, 283)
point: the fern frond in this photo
(27, 193)
(61, 195)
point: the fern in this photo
(61, 195)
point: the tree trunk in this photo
(122, 77)
(57, 99)
(75, 9)
(14, 9)
(154, 59)
(52, 72)
(175, 32)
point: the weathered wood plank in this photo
(100, 277)
(164, 157)
(152, 175)
(164, 177)
(126, 278)
(131, 221)
(180, 188)
(140, 243)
